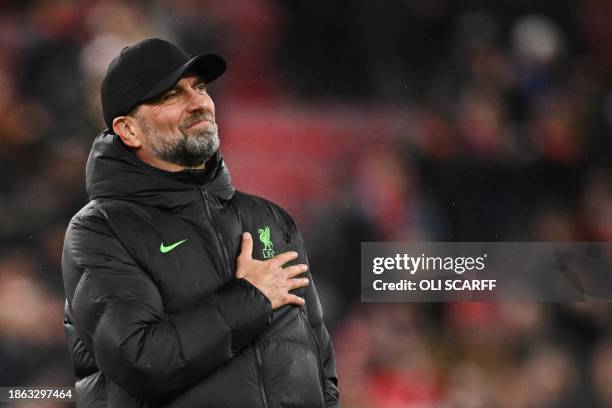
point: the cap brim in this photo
(209, 66)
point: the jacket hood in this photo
(114, 171)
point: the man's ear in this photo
(127, 129)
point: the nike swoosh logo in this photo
(163, 249)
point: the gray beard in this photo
(190, 150)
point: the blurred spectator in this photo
(601, 372)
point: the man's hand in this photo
(269, 276)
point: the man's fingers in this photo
(281, 259)
(246, 248)
(295, 270)
(297, 283)
(295, 300)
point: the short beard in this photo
(190, 150)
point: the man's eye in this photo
(169, 95)
(201, 87)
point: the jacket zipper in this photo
(204, 194)
(264, 398)
(318, 352)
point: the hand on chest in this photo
(191, 255)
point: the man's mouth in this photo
(197, 123)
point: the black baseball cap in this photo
(147, 69)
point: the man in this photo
(171, 300)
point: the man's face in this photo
(179, 127)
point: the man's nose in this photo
(199, 101)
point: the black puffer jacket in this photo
(148, 328)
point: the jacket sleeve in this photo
(119, 315)
(314, 313)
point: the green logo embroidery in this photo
(163, 249)
(264, 237)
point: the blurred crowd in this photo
(401, 120)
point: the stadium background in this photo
(369, 121)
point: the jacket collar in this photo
(114, 171)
